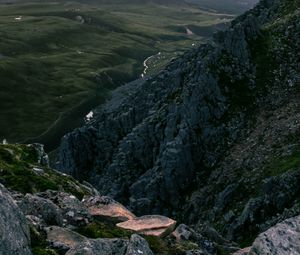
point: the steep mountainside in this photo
(212, 138)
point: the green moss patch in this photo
(103, 230)
(167, 247)
(281, 165)
(17, 163)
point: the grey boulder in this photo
(138, 246)
(14, 232)
(100, 247)
(282, 239)
(43, 208)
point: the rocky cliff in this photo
(212, 138)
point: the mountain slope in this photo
(214, 137)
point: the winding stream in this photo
(146, 67)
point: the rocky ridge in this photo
(212, 138)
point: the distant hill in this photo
(234, 6)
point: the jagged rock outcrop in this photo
(14, 232)
(212, 138)
(148, 148)
(277, 192)
(42, 157)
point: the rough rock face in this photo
(284, 238)
(138, 245)
(42, 156)
(212, 138)
(185, 233)
(100, 247)
(44, 208)
(73, 210)
(14, 232)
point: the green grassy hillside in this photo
(59, 60)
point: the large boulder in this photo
(14, 232)
(283, 238)
(155, 225)
(43, 208)
(103, 207)
(74, 212)
(182, 233)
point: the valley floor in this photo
(58, 60)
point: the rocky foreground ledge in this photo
(73, 218)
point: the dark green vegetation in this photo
(283, 164)
(17, 172)
(59, 60)
(99, 229)
(166, 247)
(39, 243)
